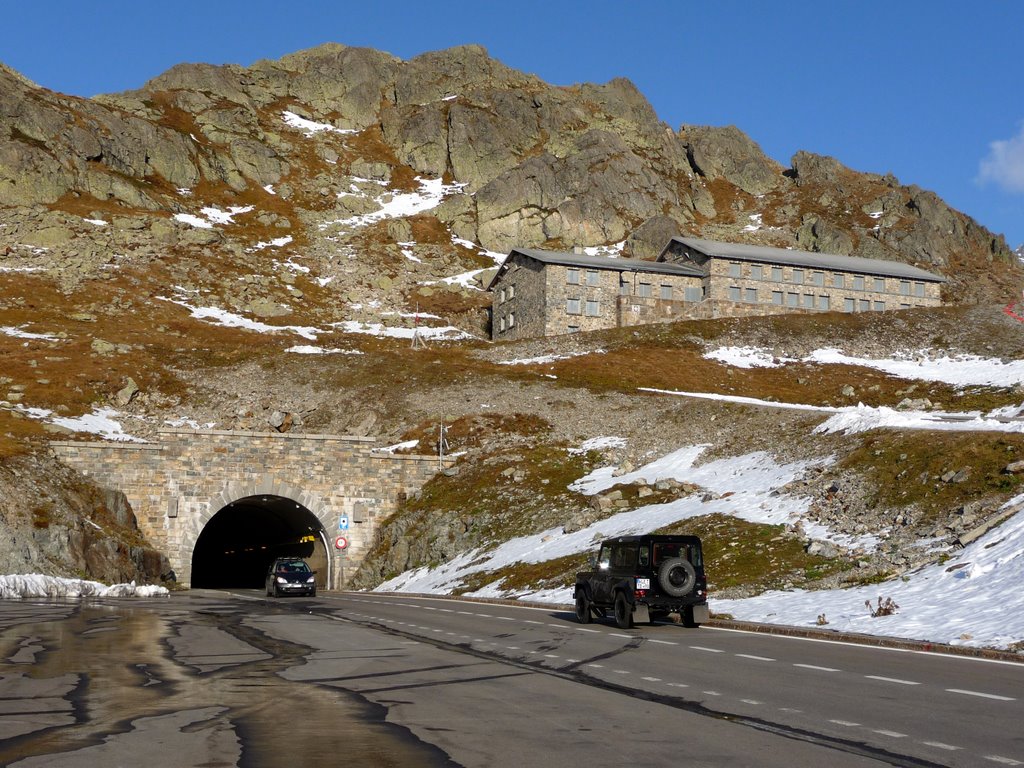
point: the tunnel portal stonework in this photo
(177, 485)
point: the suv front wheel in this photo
(583, 613)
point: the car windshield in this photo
(293, 566)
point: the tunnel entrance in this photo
(239, 543)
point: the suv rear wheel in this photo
(623, 612)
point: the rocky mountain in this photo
(168, 254)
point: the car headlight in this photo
(282, 580)
(311, 579)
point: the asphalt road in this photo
(367, 679)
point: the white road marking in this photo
(617, 634)
(484, 615)
(573, 661)
(662, 642)
(940, 745)
(812, 666)
(1002, 760)
(677, 685)
(751, 656)
(891, 680)
(551, 656)
(845, 723)
(512, 647)
(582, 629)
(711, 693)
(893, 734)
(531, 621)
(651, 679)
(465, 613)
(790, 709)
(751, 701)
(982, 695)
(702, 648)
(621, 671)
(446, 610)
(596, 666)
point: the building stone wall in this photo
(518, 307)
(177, 485)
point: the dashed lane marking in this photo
(940, 745)
(845, 723)
(892, 734)
(1003, 760)
(619, 634)
(711, 693)
(982, 695)
(651, 679)
(709, 650)
(621, 671)
(891, 680)
(596, 666)
(751, 656)
(752, 702)
(662, 642)
(677, 685)
(815, 667)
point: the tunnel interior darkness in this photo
(240, 542)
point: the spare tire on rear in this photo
(676, 577)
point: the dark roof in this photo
(760, 253)
(599, 262)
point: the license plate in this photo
(643, 583)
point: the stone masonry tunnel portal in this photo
(240, 542)
(222, 504)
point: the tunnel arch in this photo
(237, 543)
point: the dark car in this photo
(291, 576)
(645, 578)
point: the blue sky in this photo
(930, 91)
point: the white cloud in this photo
(1004, 164)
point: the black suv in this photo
(291, 576)
(645, 578)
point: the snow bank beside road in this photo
(36, 585)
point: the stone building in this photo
(757, 280)
(545, 293)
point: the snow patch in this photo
(19, 586)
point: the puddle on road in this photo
(98, 683)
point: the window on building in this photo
(734, 293)
(849, 305)
(808, 301)
(666, 293)
(798, 276)
(501, 325)
(750, 295)
(919, 289)
(777, 298)
(904, 287)
(501, 296)
(644, 289)
(756, 272)
(858, 282)
(879, 306)
(818, 278)
(512, 291)
(593, 277)
(572, 276)
(592, 308)
(693, 293)
(792, 299)
(823, 303)
(864, 305)
(572, 306)
(735, 270)
(511, 320)
(777, 274)
(623, 286)
(838, 281)
(879, 285)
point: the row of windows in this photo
(507, 322)
(807, 300)
(572, 276)
(506, 293)
(590, 307)
(839, 280)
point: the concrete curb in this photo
(812, 633)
